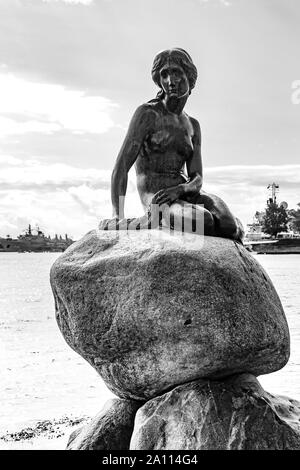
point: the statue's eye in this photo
(176, 72)
(164, 73)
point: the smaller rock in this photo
(233, 414)
(111, 429)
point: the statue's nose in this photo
(171, 79)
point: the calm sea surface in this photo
(42, 378)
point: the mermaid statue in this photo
(164, 144)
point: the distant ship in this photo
(37, 242)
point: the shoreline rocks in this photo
(111, 429)
(230, 414)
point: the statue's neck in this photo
(175, 105)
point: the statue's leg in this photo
(190, 218)
(226, 224)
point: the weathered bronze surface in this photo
(164, 143)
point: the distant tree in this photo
(295, 218)
(275, 219)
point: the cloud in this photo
(28, 106)
(58, 197)
(226, 3)
(255, 175)
(34, 174)
(11, 127)
(62, 197)
(244, 187)
(71, 2)
(90, 199)
(9, 160)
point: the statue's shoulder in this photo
(151, 107)
(195, 123)
(145, 113)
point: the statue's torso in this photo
(166, 148)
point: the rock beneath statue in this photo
(151, 310)
(235, 414)
(111, 429)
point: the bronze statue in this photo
(164, 143)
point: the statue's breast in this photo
(169, 139)
(161, 139)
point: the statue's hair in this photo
(180, 57)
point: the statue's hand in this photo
(168, 195)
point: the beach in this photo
(47, 389)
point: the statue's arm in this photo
(140, 125)
(194, 164)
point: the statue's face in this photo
(173, 80)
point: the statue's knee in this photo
(209, 223)
(208, 219)
(202, 221)
(229, 228)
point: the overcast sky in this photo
(72, 73)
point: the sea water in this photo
(42, 378)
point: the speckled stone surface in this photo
(234, 414)
(111, 429)
(150, 310)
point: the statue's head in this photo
(175, 56)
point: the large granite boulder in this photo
(111, 429)
(150, 310)
(234, 414)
